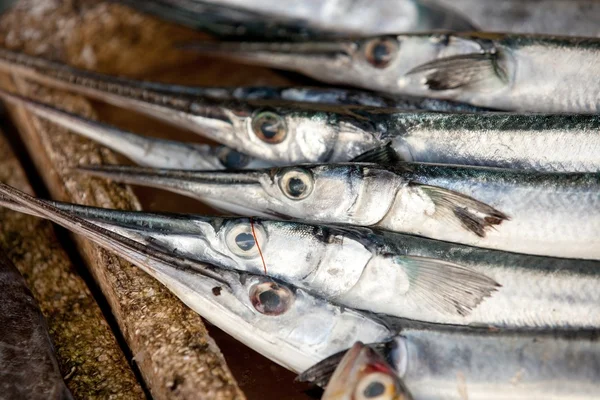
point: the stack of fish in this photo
(462, 243)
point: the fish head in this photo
(363, 374)
(369, 62)
(335, 193)
(293, 135)
(291, 326)
(328, 261)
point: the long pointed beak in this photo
(150, 259)
(143, 150)
(217, 188)
(298, 56)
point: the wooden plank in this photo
(176, 356)
(88, 353)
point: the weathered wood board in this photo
(88, 354)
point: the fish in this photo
(270, 19)
(116, 89)
(465, 363)
(433, 361)
(28, 365)
(143, 150)
(365, 374)
(320, 133)
(288, 325)
(425, 280)
(548, 214)
(517, 72)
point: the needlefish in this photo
(143, 150)
(364, 374)
(381, 272)
(325, 133)
(112, 88)
(162, 153)
(298, 330)
(550, 214)
(28, 366)
(288, 325)
(504, 71)
(269, 18)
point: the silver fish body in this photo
(288, 325)
(454, 364)
(509, 72)
(382, 272)
(549, 17)
(520, 211)
(431, 362)
(318, 133)
(268, 18)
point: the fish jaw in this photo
(322, 60)
(296, 335)
(363, 370)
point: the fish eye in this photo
(269, 127)
(242, 241)
(270, 298)
(381, 52)
(232, 159)
(296, 183)
(376, 386)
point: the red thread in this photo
(258, 245)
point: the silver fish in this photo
(116, 90)
(290, 326)
(365, 374)
(508, 72)
(269, 18)
(319, 133)
(143, 150)
(512, 210)
(458, 364)
(432, 362)
(28, 366)
(426, 280)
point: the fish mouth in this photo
(210, 291)
(220, 189)
(279, 54)
(344, 375)
(133, 251)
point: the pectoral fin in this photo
(471, 214)
(475, 70)
(445, 286)
(384, 155)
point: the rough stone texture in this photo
(87, 352)
(177, 358)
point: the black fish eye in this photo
(232, 159)
(242, 237)
(245, 241)
(374, 390)
(269, 127)
(296, 187)
(381, 52)
(376, 386)
(296, 183)
(269, 298)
